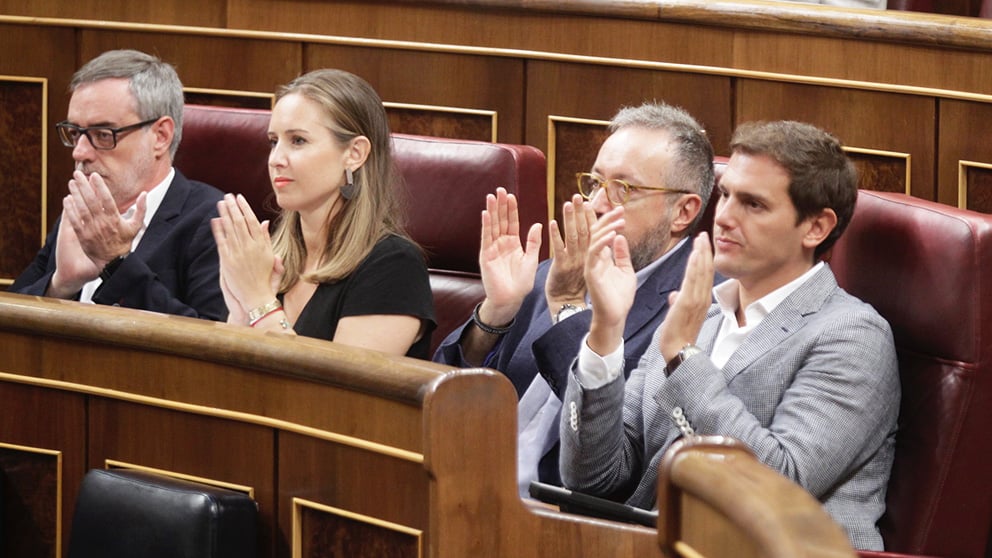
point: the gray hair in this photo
(154, 84)
(693, 166)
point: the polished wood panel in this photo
(50, 421)
(31, 493)
(633, 31)
(206, 14)
(964, 127)
(861, 119)
(596, 92)
(42, 52)
(441, 79)
(457, 483)
(213, 448)
(573, 146)
(441, 122)
(976, 185)
(23, 184)
(352, 480)
(859, 60)
(208, 61)
(327, 531)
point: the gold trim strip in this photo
(228, 92)
(685, 550)
(493, 116)
(893, 154)
(114, 464)
(298, 526)
(57, 454)
(31, 449)
(350, 441)
(963, 179)
(499, 52)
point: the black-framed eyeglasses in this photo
(101, 137)
(617, 191)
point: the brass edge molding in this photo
(963, 179)
(552, 152)
(493, 116)
(685, 550)
(231, 93)
(114, 464)
(892, 154)
(298, 503)
(44, 151)
(57, 454)
(499, 52)
(345, 440)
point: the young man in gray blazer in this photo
(786, 361)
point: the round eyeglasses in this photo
(101, 137)
(617, 191)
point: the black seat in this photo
(122, 513)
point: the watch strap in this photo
(680, 357)
(111, 267)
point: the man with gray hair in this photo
(658, 164)
(134, 232)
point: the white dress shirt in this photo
(595, 371)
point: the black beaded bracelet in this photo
(491, 330)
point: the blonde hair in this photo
(354, 109)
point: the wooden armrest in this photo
(716, 499)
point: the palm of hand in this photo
(507, 272)
(70, 256)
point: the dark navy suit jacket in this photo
(174, 269)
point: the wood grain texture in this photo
(21, 185)
(863, 119)
(45, 420)
(458, 483)
(433, 78)
(963, 129)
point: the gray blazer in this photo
(813, 391)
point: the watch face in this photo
(566, 311)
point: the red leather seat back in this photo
(229, 148)
(444, 183)
(927, 268)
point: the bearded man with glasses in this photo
(658, 164)
(134, 232)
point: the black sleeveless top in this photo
(392, 279)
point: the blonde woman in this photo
(338, 265)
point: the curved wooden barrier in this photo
(347, 452)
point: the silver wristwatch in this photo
(567, 310)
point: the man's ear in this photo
(357, 152)
(818, 227)
(686, 210)
(164, 129)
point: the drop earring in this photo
(349, 190)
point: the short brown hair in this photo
(820, 174)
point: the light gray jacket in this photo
(813, 391)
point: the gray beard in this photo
(652, 245)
